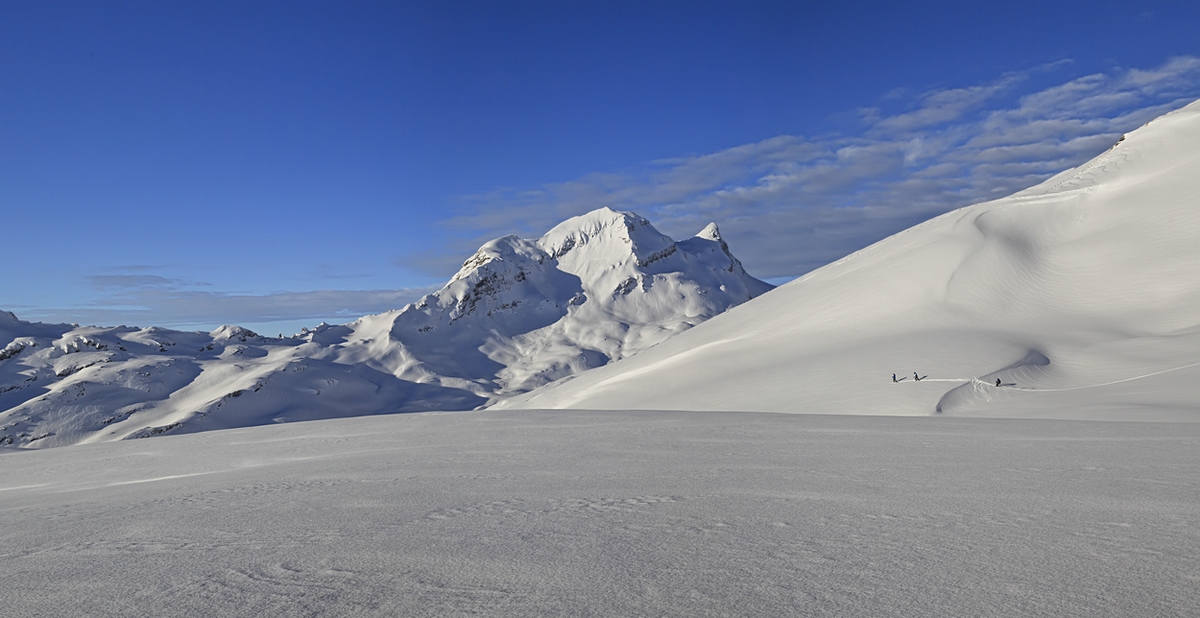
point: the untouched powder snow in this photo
(1080, 295)
(520, 513)
(518, 315)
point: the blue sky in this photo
(278, 164)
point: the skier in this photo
(916, 377)
(894, 378)
(997, 381)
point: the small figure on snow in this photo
(997, 381)
(916, 377)
(894, 378)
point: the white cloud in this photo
(128, 281)
(942, 106)
(789, 204)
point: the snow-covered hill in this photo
(519, 314)
(1081, 296)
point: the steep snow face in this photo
(1080, 295)
(519, 314)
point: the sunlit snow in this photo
(619, 513)
(1080, 295)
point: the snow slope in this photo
(519, 314)
(1081, 295)
(622, 513)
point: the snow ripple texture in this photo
(617, 513)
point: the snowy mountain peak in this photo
(710, 232)
(611, 236)
(8, 319)
(595, 288)
(227, 332)
(509, 249)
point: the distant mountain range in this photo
(518, 315)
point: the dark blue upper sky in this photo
(189, 164)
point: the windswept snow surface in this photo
(518, 315)
(1081, 295)
(619, 513)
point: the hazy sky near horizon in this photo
(274, 164)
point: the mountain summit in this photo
(595, 288)
(519, 314)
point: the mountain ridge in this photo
(519, 314)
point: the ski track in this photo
(1051, 390)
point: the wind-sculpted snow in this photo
(518, 315)
(618, 513)
(1080, 295)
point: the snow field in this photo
(520, 513)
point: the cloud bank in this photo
(789, 204)
(147, 299)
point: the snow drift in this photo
(518, 315)
(1080, 295)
